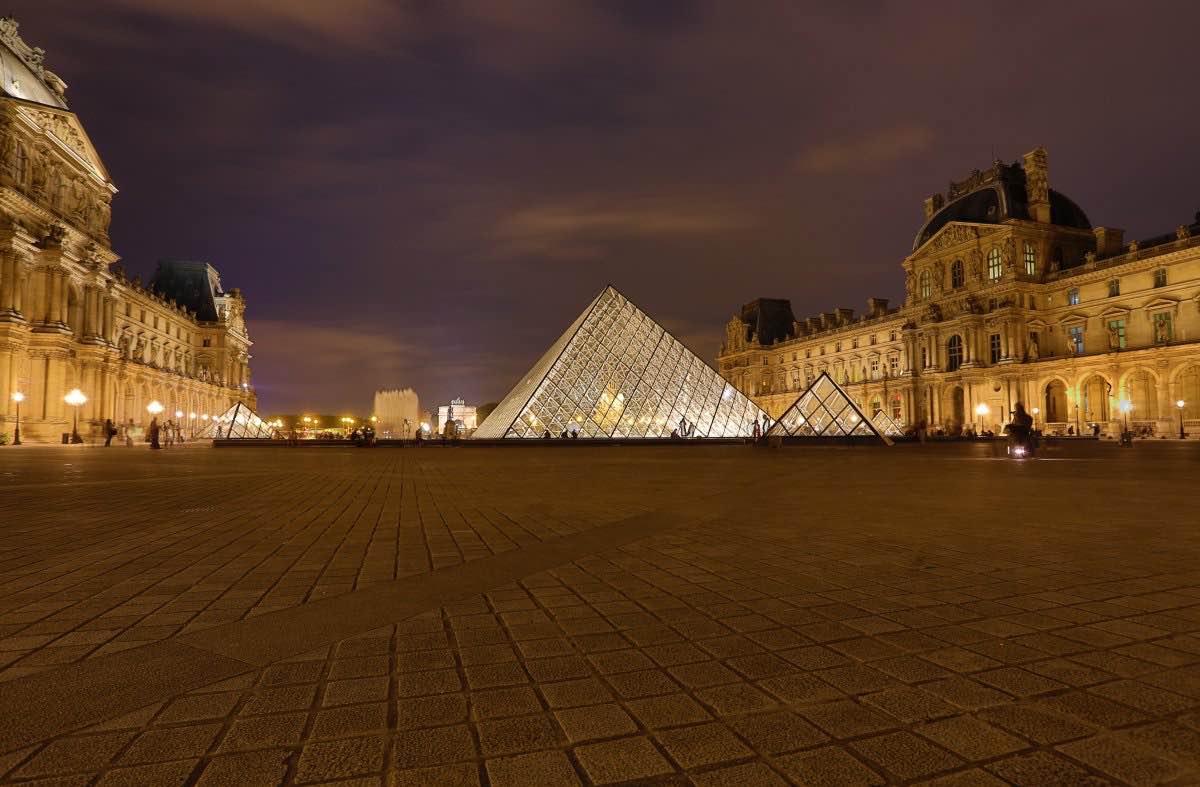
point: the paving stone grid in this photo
(910, 616)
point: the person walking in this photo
(129, 433)
(170, 433)
(154, 429)
(757, 429)
(109, 431)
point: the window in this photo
(1075, 339)
(854, 343)
(991, 304)
(875, 368)
(794, 356)
(957, 279)
(1116, 334)
(822, 349)
(1162, 328)
(1114, 288)
(808, 353)
(876, 406)
(837, 348)
(896, 408)
(1073, 296)
(924, 358)
(994, 345)
(142, 316)
(1160, 277)
(872, 338)
(954, 353)
(925, 286)
(766, 360)
(891, 336)
(994, 266)
(893, 365)
(1032, 301)
(1030, 259)
(207, 343)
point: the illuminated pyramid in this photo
(238, 423)
(824, 410)
(885, 425)
(616, 373)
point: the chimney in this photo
(828, 320)
(844, 316)
(877, 307)
(1109, 241)
(933, 204)
(1037, 184)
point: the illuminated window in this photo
(1114, 288)
(1075, 339)
(894, 365)
(1030, 259)
(876, 406)
(994, 347)
(1160, 277)
(957, 277)
(875, 368)
(926, 288)
(1073, 296)
(994, 267)
(954, 353)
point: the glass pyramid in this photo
(616, 373)
(885, 425)
(824, 410)
(238, 423)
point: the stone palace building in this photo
(69, 318)
(1011, 295)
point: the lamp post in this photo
(76, 399)
(192, 425)
(18, 397)
(1181, 404)
(1126, 406)
(1035, 412)
(982, 411)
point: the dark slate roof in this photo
(1001, 195)
(770, 318)
(192, 284)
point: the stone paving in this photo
(709, 615)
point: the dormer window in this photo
(1073, 296)
(1114, 288)
(1160, 277)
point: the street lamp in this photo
(1181, 404)
(155, 407)
(76, 399)
(1126, 406)
(982, 411)
(18, 397)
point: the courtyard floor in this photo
(682, 614)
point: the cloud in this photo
(865, 152)
(579, 231)
(308, 24)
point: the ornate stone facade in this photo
(69, 318)
(1010, 295)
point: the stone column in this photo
(7, 364)
(21, 271)
(8, 281)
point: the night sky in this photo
(426, 193)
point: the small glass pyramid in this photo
(617, 374)
(238, 423)
(824, 410)
(885, 425)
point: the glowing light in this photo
(179, 413)
(204, 417)
(1180, 404)
(982, 409)
(1126, 405)
(155, 407)
(75, 397)
(18, 397)
(191, 415)
(1036, 410)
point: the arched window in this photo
(994, 266)
(926, 289)
(957, 279)
(954, 353)
(1030, 259)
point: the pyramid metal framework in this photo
(238, 423)
(886, 426)
(824, 410)
(616, 373)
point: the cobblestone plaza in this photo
(573, 614)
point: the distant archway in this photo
(1056, 402)
(1095, 395)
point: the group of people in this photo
(158, 435)
(566, 434)
(363, 437)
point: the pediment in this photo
(63, 127)
(1037, 323)
(1115, 312)
(954, 234)
(1072, 318)
(1161, 303)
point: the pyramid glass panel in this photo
(238, 423)
(617, 373)
(824, 410)
(885, 425)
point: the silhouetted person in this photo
(154, 433)
(109, 431)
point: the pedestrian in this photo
(170, 430)
(757, 429)
(129, 433)
(154, 429)
(109, 431)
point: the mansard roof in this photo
(193, 284)
(770, 319)
(994, 195)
